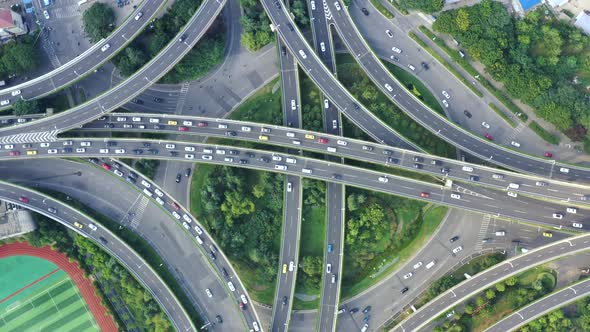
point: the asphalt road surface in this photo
(108, 241)
(353, 149)
(46, 129)
(489, 277)
(86, 62)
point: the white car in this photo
(118, 173)
(4, 102)
(558, 216)
(417, 265)
(302, 53)
(341, 142)
(120, 151)
(80, 150)
(293, 105)
(337, 5)
(255, 326)
(187, 218)
(121, 119)
(198, 230)
(85, 143)
(189, 156)
(52, 151)
(186, 226)
(136, 119)
(208, 291)
(396, 50)
(291, 266)
(105, 47)
(326, 103)
(189, 148)
(334, 124)
(512, 194)
(244, 299)
(170, 146)
(187, 123)
(446, 94)
(207, 157)
(456, 250)
(485, 125)
(383, 179)
(564, 170)
(231, 286)
(445, 103)
(328, 268)
(312, 5)
(228, 159)
(138, 16)
(388, 32)
(576, 225)
(92, 226)
(16, 92)
(246, 129)
(103, 151)
(9, 146)
(46, 14)
(515, 143)
(388, 87)
(219, 151)
(159, 192)
(408, 276)
(456, 196)
(571, 210)
(176, 215)
(289, 187)
(323, 46)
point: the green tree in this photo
(468, 309)
(490, 294)
(500, 287)
(130, 60)
(479, 301)
(19, 57)
(462, 19)
(511, 281)
(98, 21)
(23, 107)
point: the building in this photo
(14, 221)
(583, 21)
(11, 24)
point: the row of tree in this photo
(427, 6)
(147, 314)
(539, 59)
(576, 318)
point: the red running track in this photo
(100, 313)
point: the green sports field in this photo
(37, 296)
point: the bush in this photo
(23, 107)
(544, 134)
(98, 21)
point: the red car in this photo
(23, 199)
(424, 194)
(548, 154)
(488, 136)
(14, 153)
(183, 128)
(202, 124)
(106, 166)
(242, 305)
(323, 140)
(175, 206)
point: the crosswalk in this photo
(139, 210)
(45, 136)
(483, 230)
(68, 11)
(515, 132)
(182, 96)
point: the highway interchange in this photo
(563, 187)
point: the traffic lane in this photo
(361, 150)
(333, 257)
(139, 82)
(114, 246)
(81, 65)
(327, 82)
(479, 199)
(428, 118)
(542, 306)
(489, 277)
(151, 223)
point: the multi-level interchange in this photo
(496, 190)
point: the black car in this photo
(178, 177)
(109, 125)
(147, 145)
(290, 26)
(234, 152)
(66, 150)
(284, 300)
(230, 133)
(467, 113)
(444, 170)
(103, 240)
(395, 58)
(353, 310)
(182, 38)
(137, 101)
(154, 151)
(356, 106)
(404, 290)
(27, 146)
(93, 160)
(387, 152)
(133, 175)
(111, 144)
(173, 153)
(187, 172)
(283, 51)
(392, 160)
(158, 100)
(278, 4)
(474, 178)
(116, 164)
(219, 319)
(365, 11)
(424, 65)
(436, 162)
(454, 238)
(367, 309)
(138, 151)
(264, 159)
(336, 176)
(224, 272)
(130, 180)
(157, 127)
(366, 318)
(212, 255)
(250, 154)
(243, 161)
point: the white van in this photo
(514, 185)
(468, 168)
(331, 149)
(147, 192)
(306, 170)
(564, 170)
(431, 264)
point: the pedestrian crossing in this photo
(139, 210)
(182, 96)
(515, 132)
(45, 136)
(483, 230)
(68, 11)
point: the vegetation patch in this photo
(255, 24)
(382, 9)
(539, 59)
(574, 317)
(426, 6)
(357, 82)
(544, 134)
(311, 104)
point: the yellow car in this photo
(547, 234)
(77, 224)
(263, 138)
(172, 122)
(284, 268)
(309, 136)
(31, 152)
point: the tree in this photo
(511, 281)
(468, 308)
(479, 301)
(462, 19)
(130, 60)
(500, 287)
(490, 294)
(23, 107)
(99, 21)
(19, 58)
